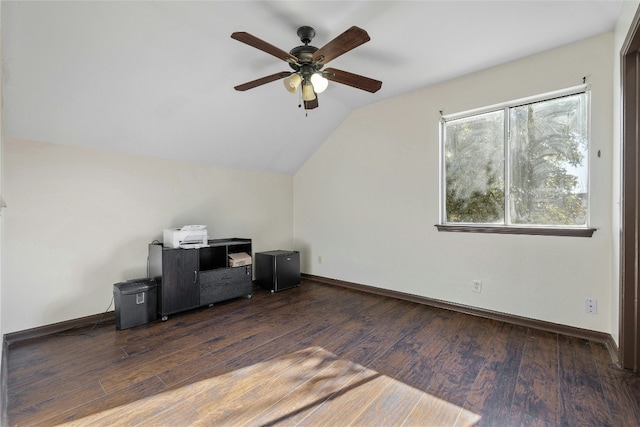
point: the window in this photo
(520, 167)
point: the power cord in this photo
(106, 311)
(92, 327)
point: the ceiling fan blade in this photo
(346, 41)
(263, 80)
(310, 105)
(353, 80)
(254, 41)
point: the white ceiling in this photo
(157, 77)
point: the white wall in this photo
(79, 220)
(367, 201)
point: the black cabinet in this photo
(190, 278)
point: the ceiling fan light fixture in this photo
(292, 82)
(307, 92)
(319, 82)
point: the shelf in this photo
(213, 257)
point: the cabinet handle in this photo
(195, 276)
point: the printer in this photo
(189, 236)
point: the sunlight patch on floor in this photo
(307, 387)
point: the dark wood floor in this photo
(318, 355)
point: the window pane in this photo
(474, 168)
(549, 165)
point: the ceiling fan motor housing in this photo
(304, 53)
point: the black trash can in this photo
(136, 302)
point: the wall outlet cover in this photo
(477, 286)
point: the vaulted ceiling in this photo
(156, 77)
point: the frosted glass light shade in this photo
(292, 82)
(307, 92)
(319, 83)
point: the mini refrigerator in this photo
(277, 270)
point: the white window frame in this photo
(507, 227)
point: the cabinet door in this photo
(180, 289)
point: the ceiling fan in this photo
(307, 62)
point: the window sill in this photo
(532, 231)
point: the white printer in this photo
(189, 236)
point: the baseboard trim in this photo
(587, 334)
(55, 328)
(613, 349)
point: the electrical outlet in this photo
(591, 306)
(319, 259)
(477, 286)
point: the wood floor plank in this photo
(343, 407)
(48, 403)
(460, 360)
(52, 368)
(494, 388)
(432, 411)
(380, 332)
(535, 401)
(80, 415)
(296, 407)
(621, 388)
(437, 334)
(391, 406)
(582, 402)
(56, 347)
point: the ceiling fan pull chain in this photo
(306, 110)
